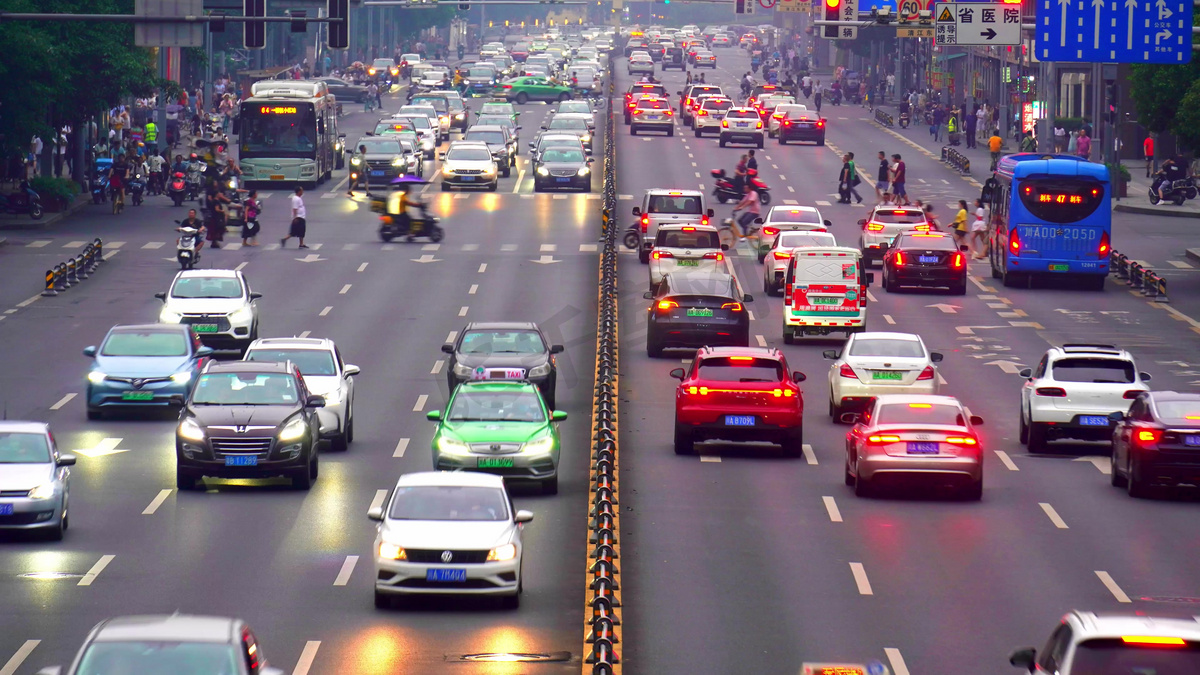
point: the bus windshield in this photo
(1061, 200)
(279, 131)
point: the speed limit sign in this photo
(908, 8)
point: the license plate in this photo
(377, 172)
(918, 448)
(1093, 420)
(445, 576)
(739, 420)
(468, 179)
(204, 327)
(743, 125)
(694, 311)
(6, 509)
(927, 258)
(495, 462)
(137, 396)
(1059, 268)
(826, 301)
(564, 180)
(688, 263)
(887, 375)
(277, 176)
(1191, 440)
(241, 460)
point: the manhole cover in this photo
(512, 657)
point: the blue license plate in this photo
(739, 420)
(377, 172)
(927, 258)
(564, 180)
(1093, 420)
(446, 575)
(6, 509)
(920, 448)
(1191, 440)
(468, 179)
(241, 460)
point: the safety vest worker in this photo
(151, 132)
(952, 125)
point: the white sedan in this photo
(679, 246)
(875, 364)
(780, 254)
(784, 218)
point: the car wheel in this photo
(653, 349)
(339, 443)
(511, 601)
(671, 131)
(349, 425)
(94, 414)
(1037, 437)
(445, 187)
(1138, 489)
(793, 443)
(835, 411)
(1023, 431)
(761, 143)
(632, 130)
(821, 142)
(789, 338)
(644, 257)
(55, 532)
(1117, 478)
(493, 187)
(862, 486)
(973, 492)
(185, 480)
(522, 98)
(782, 140)
(304, 479)
(696, 133)
(383, 600)
(847, 474)
(507, 171)
(684, 443)
(960, 289)
(722, 142)
(550, 485)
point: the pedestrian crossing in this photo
(316, 246)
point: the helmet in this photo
(193, 156)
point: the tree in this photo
(1166, 96)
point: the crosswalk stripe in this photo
(39, 243)
(153, 245)
(74, 244)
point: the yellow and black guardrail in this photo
(1138, 277)
(75, 269)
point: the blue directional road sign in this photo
(1114, 31)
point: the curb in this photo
(1155, 211)
(1193, 254)
(81, 201)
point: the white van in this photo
(825, 291)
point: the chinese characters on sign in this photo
(975, 23)
(849, 12)
(922, 32)
(1026, 117)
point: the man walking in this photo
(970, 123)
(881, 181)
(898, 178)
(299, 225)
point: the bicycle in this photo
(118, 203)
(730, 233)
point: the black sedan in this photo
(694, 309)
(799, 125)
(345, 91)
(505, 350)
(562, 168)
(1157, 442)
(925, 259)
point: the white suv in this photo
(881, 228)
(689, 247)
(742, 125)
(1072, 391)
(709, 115)
(660, 207)
(1087, 642)
(784, 218)
(876, 364)
(218, 304)
(324, 374)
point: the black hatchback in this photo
(696, 309)
(925, 259)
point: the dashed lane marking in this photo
(1027, 324)
(482, 268)
(327, 310)
(473, 289)
(548, 248)
(62, 401)
(790, 202)
(710, 458)
(762, 341)
(809, 456)
(1006, 460)
(508, 248)
(835, 515)
(39, 243)
(896, 660)
(437, 367)
(431, 247)
(1111, 585)
(1179, 264)
(451, 336)
(462, 311)
(96, 569)
(470, 247)
(156, 502)
(363, 267)
(307, 656)
(345, 289)
(860, 578)
(343, 576)
(888, 318)
(153, 245)
(304, 334)
(401, 447)
(1053, 515)
(420, 405)
(74, 244)
(14, 662)
(241, 266)
(587, 248)
(114, 244)
(822, 202)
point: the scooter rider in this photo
(1168, 174)
(196, 224)
(749, 208)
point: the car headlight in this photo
(96, 377)
(46, 491)
(390, 551)
(398, 161)
(293, 430)
(355, 161)
(190, 430)
(540, 371)
(539, 446)
(583, 171)
(241, 314)
(462, 370)
(458, 116)
(444, 118)
(502, 553)
(182, 377)
(169, 316)
(370, 71)
(447, 171)
(452, 446)
(542, 171)
(586, 138)
(489, 170)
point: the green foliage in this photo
(54, 188)
(1158, 91)
(1119, 170)
(1186, 122)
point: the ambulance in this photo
(824, 292)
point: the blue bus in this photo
(1050, 216)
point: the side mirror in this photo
(255, 296)
(885, 245)
(637, 210)
(798, 376)
(679, 374)
(315, 401)
(869, 278)
(758, 221)
(543, 127)
(724, 247)
(204, 352)
(518, 127)
(964, 247)
(747, 298)
(1144, 376)
(341, 135)
(66, 460)
(861, 223)
(350, 370)
(523, 516)
(442, 155)
(679, 93)
(557, 349)
(89, 351)
(828, 224)
(710, 213)
(434, 415)
(447, 348)
(1116, 416)
(849, 418)
(976, 420)
(558, 415)
(1023, 658)
(375, 513)
(1026, 373)
(161, 296)
(936, 357)
(591, 159)
(649, 295)
(831, 354)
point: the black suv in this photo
(505, 350)
(673, 57)
(248, 419)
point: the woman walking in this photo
(960, 224)
(250, 227)
(979, 240)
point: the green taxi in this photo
(532, 88)
(500, 427)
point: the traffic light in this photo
(254, 33)
(1113, 95)
(339, 33)
(833, 12)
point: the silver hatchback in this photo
(34, 479)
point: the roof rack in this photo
(1090, 347)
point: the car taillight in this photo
(1014, 242)
(778, 116)
(669, 112)
(786, 393)
(782, 255)
(847, 372)
(506, 86)
(875, 227)
(1148, 437)
(657, 255)
(1132, 393)
(1104, 249)
(758, 126)
(725, 123)
(632, 104)
(637, 111)
(820, 123)
(689, 101)
(645, 224)
(701, 112)
(883, 438)
(787, 123)
(704, 220)
(898, 260)
(732, 306)
(770, 231)
(715, 255)
(957, 263)
(701, 391)
(1050, 391)
(666, 305)
(962, 440)
(926, 374)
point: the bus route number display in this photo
(277, 110)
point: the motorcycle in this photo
(24, 201)
(1179, 192)
(835, 96)
(195, 179)
(633, 236)
(425, 225)
(185, 247)
(98, 184)
(137, 188)
(903, 120)
(726, 191)
(177, 189)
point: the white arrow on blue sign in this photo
(1114, 31)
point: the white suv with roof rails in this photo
(1084, 643)
(661, 206)
(785, 218)
(1073, 390)
(710, 113)
(885, 223)
(685, 247)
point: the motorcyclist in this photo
(461, 50)
(195, 223)
(1167, 174)
(117, 175)
(179, 166)
(154, 164)
(747, 84)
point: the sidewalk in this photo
(918, 134)
(1137, 200)
(27, 223)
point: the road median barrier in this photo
(956, 160)
(74, 270)
(884, 118)
(1138, 276)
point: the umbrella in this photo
(409, 180)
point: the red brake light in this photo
(645, 224)
(1050, 391)
(704, 220)
(782, 255)
(669, 112)
(875, 227)
(689, 101)
(1014, 242)
(847, 372)
(703, 391)
(882, 438)
(702, 111)
(899, 259)
(637, 111)
(741, 358)
(725, 123)
(1148, 436)
(1153, 640)
(777, 116)
(715, 255)
(666, 305)
(732, 306)
(820, 123)
(926, 374)
(957, 263)
(661, 254)
(689, 229)
(771, 231)
(1133, 393)
(962, 440)
(506, 86)
(787, 123)
(1104, 249)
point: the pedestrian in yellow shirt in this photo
(960, 223)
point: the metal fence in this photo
(956, 160)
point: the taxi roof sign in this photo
(833, 669)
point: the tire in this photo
(862, 486)
(821, 142)
(632, 130)
(1037, 437)
(564, 97)
(722, 198)
(1153, 196)
(761, 143)
(722, 142)
(684, 443)
(644, 257)
(511, 601)
(493, 187)
(835, 411)
(847, 476)
(789, 338)
(94, 414)
(973, 492)
(185, 480)
(350, 425)
(55, 532)
(1010, 279)
(507, 172)
(35, 212)
(386, 236)
(522, 98)
(793, 443)
(437, 234)
(782, 141)
(892, 286)
(960, 289)
(383, 601)
(1117, 478)
(632, 239)
(1138, 489)
(339, 443)
(653, 349)
(671, 132)
(764, 197)
(550, 486)
(1096, 283)
(1023, 431)
(696, 133)
(305, 479)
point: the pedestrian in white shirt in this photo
(981, 116)
(299, 225)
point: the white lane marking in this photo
(980, 286)
(1112, 586)
(482, 268)
(232, 246)
(338, 188)
(548, 248)
(437, 367)
(343, 575)
(345, 289)
(401, 447)
(462, 311)
(790, 202)
(315, 247)
(888, 318)
(363, 267)
(791, 189)
(306, 657)
(29, 301)
(304, 334)
(18, 657)
(431, 247)
(941, 380)
(710, 458)
(420, 402)
(452, 336)
(470, 247)
(157, 502)
(997, 305)
(821, 202)
(698, 175)
(39, 243)
(762, 341)
(96, 570)
(327, 310)
(809, 455)
(113, 244)
(473, 289)
(750, 313)
(897, 661)
(871, 298)
(106, 446)
(1179, 264)
(62, 401)
(508, 248)
(520, 178)
(835, 515)
(1102, 464)
(1053, 515)
(153, 245)
(241, 266)
(587, 248)
(693, 163)
(74, 244)
(1006, 460)
(860, 578)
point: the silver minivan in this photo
(660, 206)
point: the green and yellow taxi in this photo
(501, 427)
(532, 88)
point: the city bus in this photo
(1050, 216)
(288, 133)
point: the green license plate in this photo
(204, 327)
(1059, 268)
(694, 311)
(826, 301)
(887, 375)
(688, 263)
(495, 462)
(137, 396)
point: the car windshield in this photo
(742, 115)
(795, 216)
(518, 405)
(674, 204)
(1114, 657)
(502, 342)
(574, 107)
(497, 120)
(489, 137)
(375, 145)
(1183, 413)
(468, 155)
(563, 155)
(1107, 371)
(568, 124)
(800, 239)
(145, 343)
(740, 369)
(481, 73)
(245, 389)
(717, 105)
(687, 238)
(422, 110)
(207, 287)
(383, 63)
(309, 361)
(18, 447)
(438, 103)
(438, 502)
(435, 75)
(583, 73)
(158, 658)
(886, 347)
(418, 121)
(891, 217)
(919, 414)
(652, 104)
(559, 142)
(384, 128)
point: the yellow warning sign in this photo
(946, 16)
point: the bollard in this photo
(99, 250)
(49, 290)
(60, 277)
(69, 269)
(81, 271)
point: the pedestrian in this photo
(994, 144)
(849, 179)
(817, 100)
(751, 161)
(1060, 137)
(979, 232)
(881, 181)
(250, 227)
(1083, 145)
(688, 81)
(931, 218)
(379, 97)
(900, 195)
(299, 225)
(960, 224)
(981, 114)
(1148, 151)
(1028, 142)
(935, 128)
(970, 122)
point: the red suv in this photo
(739, 394)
